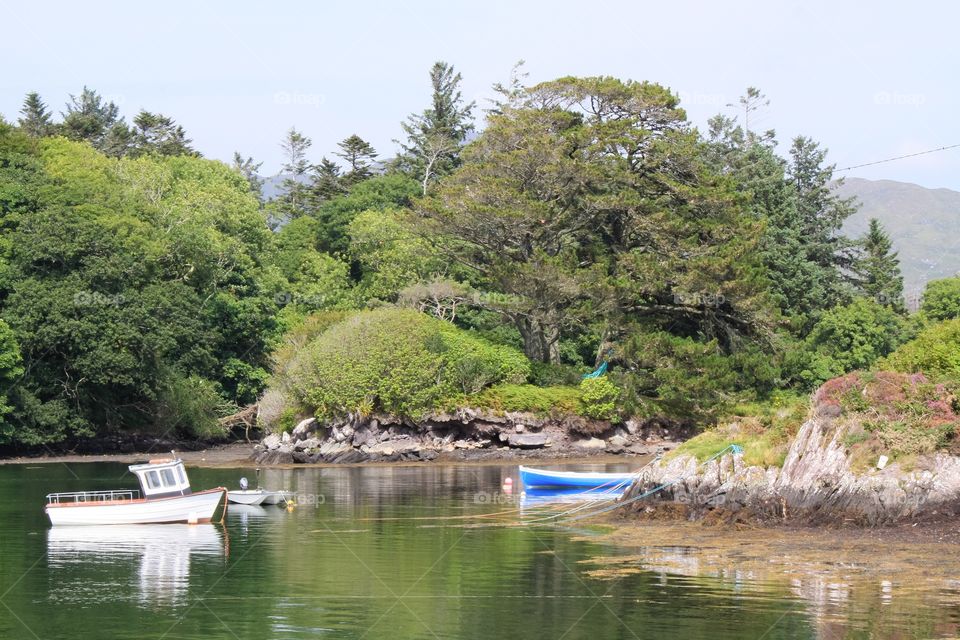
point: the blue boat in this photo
(582, 480)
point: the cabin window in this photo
(183, 476)
(153, 479)
(168, 479)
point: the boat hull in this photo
(250, 497)
(545, 478)
(199, 507)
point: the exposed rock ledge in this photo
(464, 435)
(816, 485)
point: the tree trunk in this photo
(541, 339)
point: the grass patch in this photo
(544, 401)
(763, 429)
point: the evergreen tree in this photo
(295, 166)
(119, 141)
(877, 268)
(159, 134)
(327, 183)
(821, 212)
(359, 156)
(35, 119)
(434, 137)
(88, 117)
(250, 171)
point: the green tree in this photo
(941, 299)
(359, 156)
(250, 170)
(586, 191)
(820, 214)
(126, 276)
(877, 268)
(847, 338)
(295, 167)
(390, 256)
(35, 119)
(159, 134)
(435, 136)
(326, 183)
(799, 247)
(89, 117)
(390, 191)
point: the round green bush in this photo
(599, 398)
(397, 361)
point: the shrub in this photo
(845, 339)
(527, 397)
(599, 398)
(191, 406)
(398, 361)
(935, 351)
(941, 299)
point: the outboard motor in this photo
(244, 484)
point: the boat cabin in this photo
(162, 478)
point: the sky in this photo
(868, 80)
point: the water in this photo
(420, 552)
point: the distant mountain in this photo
(924, 225)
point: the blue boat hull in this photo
(545, 478)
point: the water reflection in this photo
(151, 562)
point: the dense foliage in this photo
(395, 361)
(585, 220)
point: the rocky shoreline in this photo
(816, 485)
(466, 435)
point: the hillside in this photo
(922, 223)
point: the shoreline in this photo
(236, 455)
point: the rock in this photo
(272, 441)
(285, 437)
(304, 428)
(519, 428)
(632, 426)
(590, 443)
(527, 440)
(306, 445)
(617, 441)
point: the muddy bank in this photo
(466, 435)
(817, 484)
(225, 455)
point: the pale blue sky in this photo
(868, 80)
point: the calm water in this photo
(399, 552)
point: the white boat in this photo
(164, 497)
(251, 497)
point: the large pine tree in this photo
(435, 136)
(359, 156)
(296, 167)
(89, 117)
(877, 268)
(35, 119)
